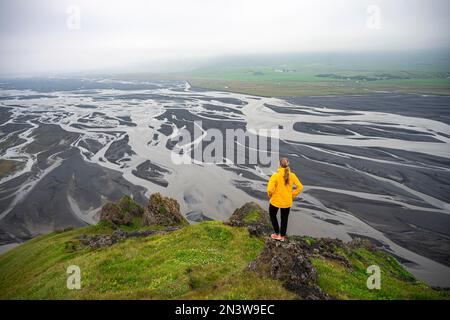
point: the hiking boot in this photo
(275, 236)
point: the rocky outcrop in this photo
(289, 262)
(252, 216)
(160, 211)
(248, 213)
(98, 241)
(122, 212)
(326, 247)
(163, 211)
(128, 205)
(113, 213)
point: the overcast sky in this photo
(90, 35)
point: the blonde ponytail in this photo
(284, 163)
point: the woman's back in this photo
(281, 193)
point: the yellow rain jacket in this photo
(281, 195)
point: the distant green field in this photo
(319, 80)
(320, 75)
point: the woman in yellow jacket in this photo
(281, 197)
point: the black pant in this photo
(284, 219)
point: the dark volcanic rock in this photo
(327, 248)
(258, 229)
(163, 211)
(289, 262)
(96, 241)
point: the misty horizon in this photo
(84, 36)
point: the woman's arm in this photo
(298, 186)
(271, 185)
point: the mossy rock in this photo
(128, 205)
(113, 213)
(122, 212)
(163, 211)
(250, 213)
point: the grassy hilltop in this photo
(204, 261)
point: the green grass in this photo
(202, 261)
(252, 216)
(396, 282)
(309, 240)
(303, 80)
(137, 223)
